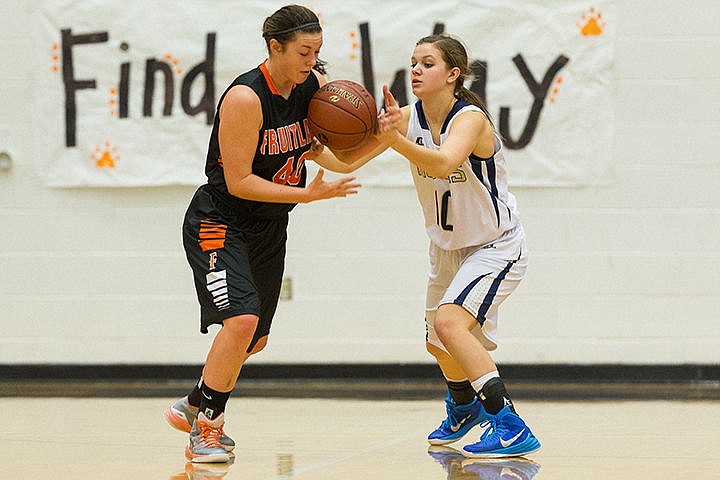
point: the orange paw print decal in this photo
(353, 46)
(556, 88)
(56, 58)
(113, 102)
(591, 23)
(105, 156)
(174, 62)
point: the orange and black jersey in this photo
(283, 143)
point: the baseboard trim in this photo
(363, 371)
(366, 381)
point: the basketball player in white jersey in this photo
(477, 244)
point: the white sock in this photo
(479, 383)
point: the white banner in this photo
(126, 90)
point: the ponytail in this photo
(464, 93)
(455, 56)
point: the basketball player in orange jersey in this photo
(235, 228)
(477, 243)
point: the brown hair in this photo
(455, 55)
(287, 22)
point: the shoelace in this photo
(222, 432)
(489, 430)
(451, 419)
(209, 435)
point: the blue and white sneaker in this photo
(508, 436)
(460, 419)
(501, 468)
(450, 459)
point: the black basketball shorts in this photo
(237, 263)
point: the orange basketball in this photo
(342, 115)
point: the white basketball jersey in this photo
(472, 206)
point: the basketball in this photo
(342, 115)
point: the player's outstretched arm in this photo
(346, 161)
(319, 189)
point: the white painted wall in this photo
(628, 272)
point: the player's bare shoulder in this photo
(475, 124)
(241, 102)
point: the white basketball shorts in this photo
(477, 278)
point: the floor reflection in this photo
(204, 471)
(458, 467)
(285, 460)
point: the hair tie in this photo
(293, 29)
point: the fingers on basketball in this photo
(342, 115)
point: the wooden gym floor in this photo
(351, 439)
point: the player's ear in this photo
(454, 74)
(275, 46)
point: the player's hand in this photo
(319, 189)
(389, 119)
(392, 108)
(316, 148)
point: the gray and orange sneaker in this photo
(206, 471)
(204, 444)
(181, 415)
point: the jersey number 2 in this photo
(441, 211)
